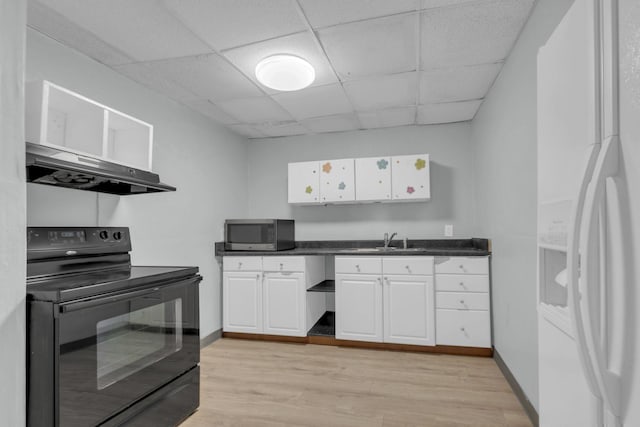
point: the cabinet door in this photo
(337, 182)
(409, 310)
(359, 307)
(242, 302)
(410, 177)
(304, 183)
(373, 179)
(284, 304)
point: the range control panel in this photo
(54, 242)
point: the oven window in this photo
(132, 341)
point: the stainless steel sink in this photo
(381, 249)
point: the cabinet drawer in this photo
(359, 265)
(462, 283)
(408, 265)
(463, 328)
(462, 265)
(462, 300)
(242, 263)
(283, 263)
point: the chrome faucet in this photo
(387, 239)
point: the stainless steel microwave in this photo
(259, 234)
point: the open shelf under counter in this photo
(324, 286)
(325, 326)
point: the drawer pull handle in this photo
(239, 265)
(280, 266)
(462, 284)
(462, 301)
(461, 266)
(462, 329)
(257, 276)
(358, 268)
(380, 280)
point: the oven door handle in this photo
(81, 305)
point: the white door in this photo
(284, 302)
(359, 307)
(242, 302)
(410, 177)
(337, 181)
(373, 179)
(304, 183)
(409, 310)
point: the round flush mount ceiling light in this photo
(285, 72)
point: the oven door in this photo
(116, 349)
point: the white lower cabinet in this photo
(283, 304)
(359, 307)
(271, 299)
(242, 301)
(463, 315)
(375, 307)
(409, 316)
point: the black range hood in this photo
(53, 166)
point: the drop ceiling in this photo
(379, 63)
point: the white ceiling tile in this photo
(224, 23)
(338, 123)
(477, 33)
(378, 46)
(388, 118)
(208, 76)
(149, 77)
(209, 109)
(382, 92)
(315, 101)
(447, 112)
(458, 83)
(58, 27)
(142, 29)
(430, 4)
(288, 129)
(255, 110)
(302, 44)
(331, 12)
(247, 130)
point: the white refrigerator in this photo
(589, 217)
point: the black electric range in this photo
(108, 343)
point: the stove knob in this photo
(104, 235)
(117, 235)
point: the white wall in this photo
(504, 134)
(203, 160)
(449, 146)
(12, 214)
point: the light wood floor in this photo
(254, 383)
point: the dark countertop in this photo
(436, 247)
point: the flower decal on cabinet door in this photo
(342, 186)
(382, 164)
(308, 190)
(410, 190)
(420, 164)
(326, 168)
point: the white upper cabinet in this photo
(58, 117)
(304, 183)
(337, 183)
(410, 178)
(373, 179)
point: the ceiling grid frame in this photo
(379, 108)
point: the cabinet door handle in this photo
(358, 268)
(462, 329)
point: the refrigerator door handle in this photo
(608, 381)
(573, 277)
